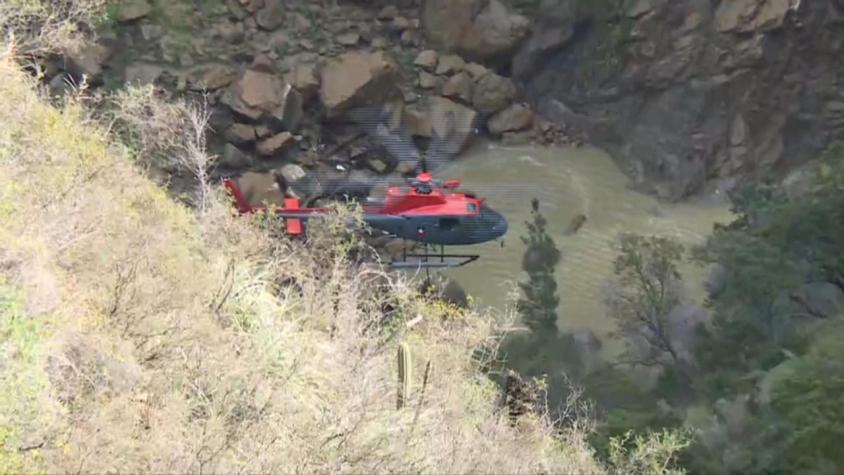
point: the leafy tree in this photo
(778, 241)
(539, 300)
(649, 287)
(807, 411)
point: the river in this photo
(568, 182)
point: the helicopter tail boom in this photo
(239, 200)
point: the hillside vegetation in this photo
(140, 335)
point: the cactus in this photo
(405, 366)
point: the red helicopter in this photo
(428, 211)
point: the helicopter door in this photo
(449, 224)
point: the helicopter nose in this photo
(494, 222)
(500, 226)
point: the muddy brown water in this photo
(569, 182)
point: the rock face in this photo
(355, 79)
(745, 16)
(484, 30)
(690, 95)
(550, 31)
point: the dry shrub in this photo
(197, 342)
(50, 26)
(167, 135)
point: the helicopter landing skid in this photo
(435, 260)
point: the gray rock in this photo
(453, 122)
(475, 29)
(131, 10)
(820, 299)
(151, 31)
(389, 12)
(271, 16)
(142, 73)
(349, 39)
(416, 122)
(357, 78)
(88, 61)
(459, 87)
(542, 43)
(261, 189)
(276, 145)
(493, 93)
(263, 96)
(476, 70)
(304, 79)
(450, 64)
(210, 77)
(240, 134)
(743, 16)
(232, 157)
(60, 83)
(427, 59)
(231, 32)
(427, 80)
(513, 118)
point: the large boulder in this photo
(513, 118)
(814, 300)
(427, 59)
(452, 122)
(142, 73)
(130, 10)
(263, 96)
(233, 157)
(459, 87)
(483, 30)
(271, 16)
(210, 77)
(493, 93)
(260, 188)
(416, 122)
(275, 145)
(356, 79)
(88, 61)
(305, 80)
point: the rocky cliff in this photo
(690, 95)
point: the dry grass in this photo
(139, 336)
(50, 26)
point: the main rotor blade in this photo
(442, 150)
(375, 121)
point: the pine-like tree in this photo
(539, 297)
